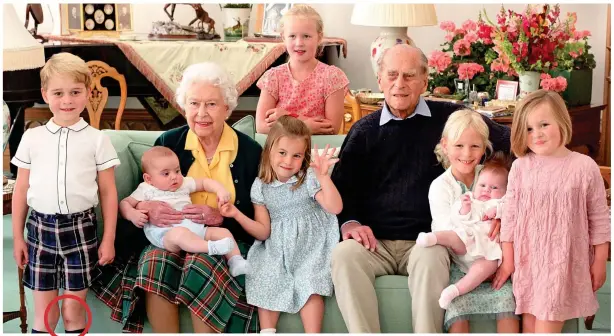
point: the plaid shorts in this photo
(62, 251)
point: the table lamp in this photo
(20, 52)
(393, 20)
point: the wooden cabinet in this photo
(586, 123)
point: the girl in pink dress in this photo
(555, 227)
(304, 87)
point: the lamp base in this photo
(388, 37)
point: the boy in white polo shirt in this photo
(62, 167)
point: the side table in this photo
(22, 314)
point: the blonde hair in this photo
(291, 127)
(521, 115)
(152, 154)
(304, 11)
(66, 64)
(457, 123)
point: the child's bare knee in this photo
(73, 314)
(173, 237)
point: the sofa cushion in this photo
(247, 126)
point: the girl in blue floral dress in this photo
(295, 228)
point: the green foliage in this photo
(237, 6)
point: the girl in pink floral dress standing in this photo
(304, 87)
(556, 227)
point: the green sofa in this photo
(393, 296)
(392, 292)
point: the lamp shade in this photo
(394, 15)
(20, 50)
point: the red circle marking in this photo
(81, 301)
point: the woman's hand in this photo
(20, 252)
(322, 162)
(271, 116)
(161, 214)
(202, 214)
(503, 273)
(106, 252)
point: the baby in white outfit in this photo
(473, 251)
(164, 182)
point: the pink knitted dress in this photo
(555, 212)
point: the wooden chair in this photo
(100, 95)
(352, 117)
(606, 173)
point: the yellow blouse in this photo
(218, 169)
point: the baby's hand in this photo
(465, 204)
(138, 217)
(229, 210)
(223, 197)
(490, 213)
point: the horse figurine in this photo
(201, 15)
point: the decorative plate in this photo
(109, 24)
(89, 9)
(89, 24)
(108, 9)
(99, 16)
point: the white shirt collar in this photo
(277, 183)
(53, 127)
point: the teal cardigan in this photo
(244, 171)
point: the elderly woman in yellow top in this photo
(206, 147)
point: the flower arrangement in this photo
(558, 84)
(529, 41)
(465, 54)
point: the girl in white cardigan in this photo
(463, 144)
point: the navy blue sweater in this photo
(384, 172)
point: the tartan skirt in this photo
(199, 281)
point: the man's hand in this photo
(20, 252)
(503, 273)
(202, 214)
(465, 205)
(361, 234)
(106, 252)
(138, 217)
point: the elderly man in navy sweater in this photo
(386, 167)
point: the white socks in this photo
(237, 265)
(268, 331)
(447, 295)
(426, 239)
(220, 247)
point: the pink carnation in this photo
(439, 60)
(462, 48)
(460, 31)
(449, 37)
(469, 70)
(581, 34)
(470, 25)
(448, 26)
(558, 84)
(471, 37)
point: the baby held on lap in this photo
(473, 251)
(163, 181)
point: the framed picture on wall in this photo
(268, 17)
(507, 90)
(124, 17)
(71, 18)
